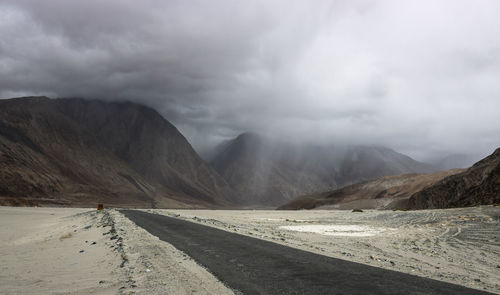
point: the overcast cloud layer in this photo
(422, 77)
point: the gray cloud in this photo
(418, 76)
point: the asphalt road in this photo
(253, 266)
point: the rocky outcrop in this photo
(478, 185)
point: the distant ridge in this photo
(387, 192)
(267, 172)
(477, 185)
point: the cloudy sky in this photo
(422, 77)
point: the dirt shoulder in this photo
(156, 267)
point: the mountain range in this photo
(477, 185)
(267, 172)
(78, 152)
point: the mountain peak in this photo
(249, 138)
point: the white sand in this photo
(40, 253)
(336, 230)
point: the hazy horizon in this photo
(418, 77)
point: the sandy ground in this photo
(77, 251)
(54, 251)
(460, 246)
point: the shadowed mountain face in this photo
(478, 185)
(79, 152)
(269, 173)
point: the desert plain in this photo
(85, 251)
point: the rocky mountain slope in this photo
(80, 152)
(264, 172)
(478, 185)
(386, 192)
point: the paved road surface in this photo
(254, 266)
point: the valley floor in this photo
(52, 250)
(460, 246)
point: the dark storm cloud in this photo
(419, 76)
